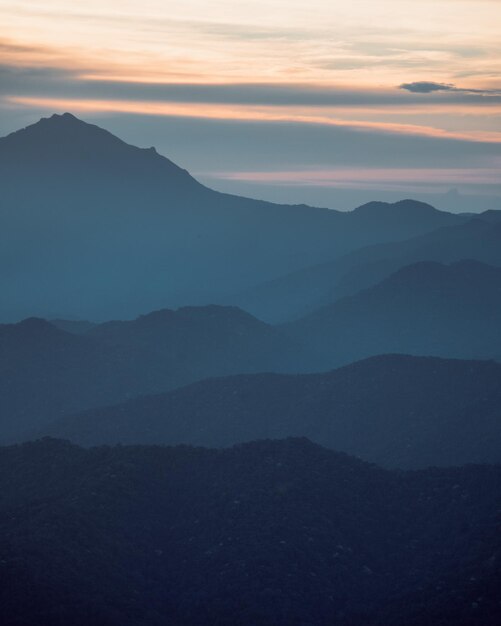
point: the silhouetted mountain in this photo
(397, 411)
(110, 230)
(281, 533)
(198, 342)
(47, 372)
(410, 213)
(83, 150)
(423, 309)
(493, 216)
(302, 292)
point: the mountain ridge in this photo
(425, 308)
(111, 230)
(395, 410)
(293, 295)
(47, 371)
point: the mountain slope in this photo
(302, 292)
(283, 533)
(423, 309)
(46, 372)
(110, 230)
(198, 342)
(398, 411)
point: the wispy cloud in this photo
(372, 176)
(70, 82)
(223, 111)
(250, 41)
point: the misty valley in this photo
(222, 410)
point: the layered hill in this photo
(47, 372)
(426, 308)
(397, 411)
(108, 230)
(299, 293)
(273, 532)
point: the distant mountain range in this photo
(98, 229)
(397, 411)
(278, 533)
(374, 333)
(449, 311)
(426, 308)
(47, 372)
(302, 292)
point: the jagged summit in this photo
(65, 143)
(63, 117)
(64, 126)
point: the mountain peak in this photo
(60, 136)
(402, 207)
(31, 328)
(66, 117)
(66, 121)
(196, 314)
(65, 143)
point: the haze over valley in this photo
(250, 313)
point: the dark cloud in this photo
(56, 82)
(425, 86)
(15, 80)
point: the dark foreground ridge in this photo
(273, 532)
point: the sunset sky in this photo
(323, 101)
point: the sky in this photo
(325, 102)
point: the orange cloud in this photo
(245, 113)
(366, 43)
